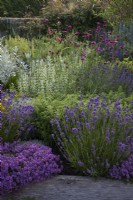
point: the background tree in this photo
(117, 11)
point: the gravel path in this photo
(64, 187)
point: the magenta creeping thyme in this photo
(21, 164)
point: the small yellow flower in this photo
(1, 107)
(17, 95)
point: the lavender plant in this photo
(15, 116)
(105, 77)
(96, 136)
(25, 163)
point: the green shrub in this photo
(80, 15)
(39, 48)
(117, 10)
(12, 83)
(44, 110)
(13, 8)
(22, 45)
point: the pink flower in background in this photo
(45, 21)
(93, 42)
(69, 27)
(99, 50)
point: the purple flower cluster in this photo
(95, 136)
(15, 116)
(123, 170)
(21, 164)
(83, 55)
(110, 46)
(107, 44)
(104, 78)
(46, 21)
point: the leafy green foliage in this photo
(44, 110)
(118, 10)
(59, 68)
(12, 83)
(13, 8)
(81, 16)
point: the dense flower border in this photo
(21, 164)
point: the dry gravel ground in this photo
(64, 187)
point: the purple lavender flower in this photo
(87, 126)
(80, 163)
(74, 130)
(83, 114)
(122, 146)
(88, 171)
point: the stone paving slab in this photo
(64, 187)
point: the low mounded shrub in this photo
(25, 163)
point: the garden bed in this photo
(73, 91)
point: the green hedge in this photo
(20, 8)
(81, 19)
